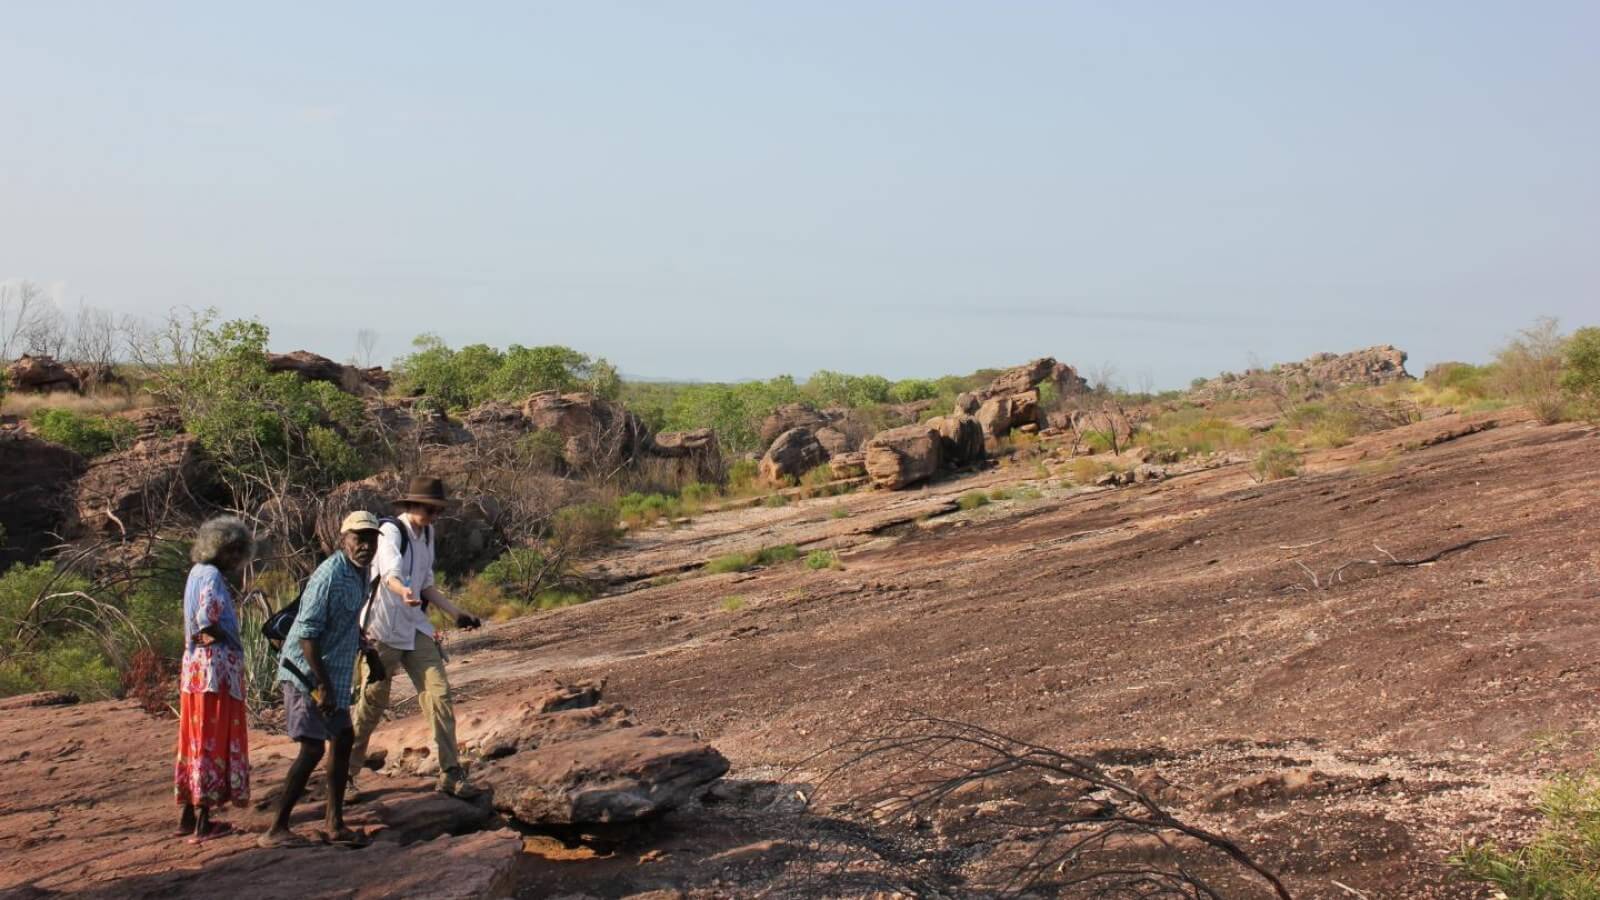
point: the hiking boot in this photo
(455, 784)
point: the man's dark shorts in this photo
(304, 721)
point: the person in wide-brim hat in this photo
(402, 636)
(424, 491)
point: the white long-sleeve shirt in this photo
(390, 620)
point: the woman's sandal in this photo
(214, 830)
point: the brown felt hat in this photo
(426, 490)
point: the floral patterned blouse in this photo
(219, 666)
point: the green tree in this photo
(1580, 376)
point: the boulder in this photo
(789, 417)
(697, 452)
(36, 479)
(495, 419)
(848, 465)
(960, 439)
(1025, 409)
(616, 775)
(967, 403)
(994, 417)
(906, 413)
(310, 366)
(94, 375)
(563, 759)
(410, 818)
(791, 456)
(40, 375)
(597, 433)
(903, 456)
(144, 485)
(835, 441)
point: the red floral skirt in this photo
(213, 765)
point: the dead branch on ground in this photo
(1092, 832)
(1337, 576)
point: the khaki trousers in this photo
(425, 667)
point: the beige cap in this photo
(359, 521)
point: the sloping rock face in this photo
(789, 417)
(1310, 378)
(903, 456)
(792, 455)
(132, 489)
(697, 453)
(596, 432)
(566, 760)
(960, 439)
(36, 479)
(41, 375)
(315, 367)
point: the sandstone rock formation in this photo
(315, 367)
(566, 760)
(1308, 379)
(994, 417)
(903, 456)
(596, 432)
(793, 454)
(848, 465)
(144, 485)
(36, 480)
(40, 374)
(697, 454)
(791, 416)
(960, 439)
(835, 441)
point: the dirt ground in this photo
(1321, 668)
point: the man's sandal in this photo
(352, 840)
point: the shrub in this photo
(458, 379)
(646, 509)
(1580, 378)
(838, 512)
(732, 562)
(1528, 370)
(999, 494)
(584, 526)
(732, 604)
(775, 501)
(89, 435)
(1563, 860)
(1193, 431)
(1086, 470)
(544, 450)
(817, 560)
(780, 554)
(1276, 461)
(972, 500)
(742, 474)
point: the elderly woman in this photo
(213, 764)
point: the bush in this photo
(1000, 495)
(647, 509)
(581, 527)
(89, 435)
(459, 379)
(740, 562)
(838, 512)
(972, 500)
(1189, 432)
(1580, 378)
(775, 501)
(732, 604)
(1277, 461)
(1563, 860)
(818, 560)
(1529, 370)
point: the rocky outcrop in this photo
(154, 421)
(1320, 374)
(41, 375)
(792, 455)
(315, 367)
(835, 441)
(789, 417)
(697, 454)
(903, 456)
(994, 417)
(961, 439)
(848, 465)
(36, 480)
(576, 762)
(595, 432)
(144, 485)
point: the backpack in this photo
(276, 628)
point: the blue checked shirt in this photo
(329, 608)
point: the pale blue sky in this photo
(732, 190)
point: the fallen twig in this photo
(1336, 576)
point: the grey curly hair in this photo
(217, 537)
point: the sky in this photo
(720, 191)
